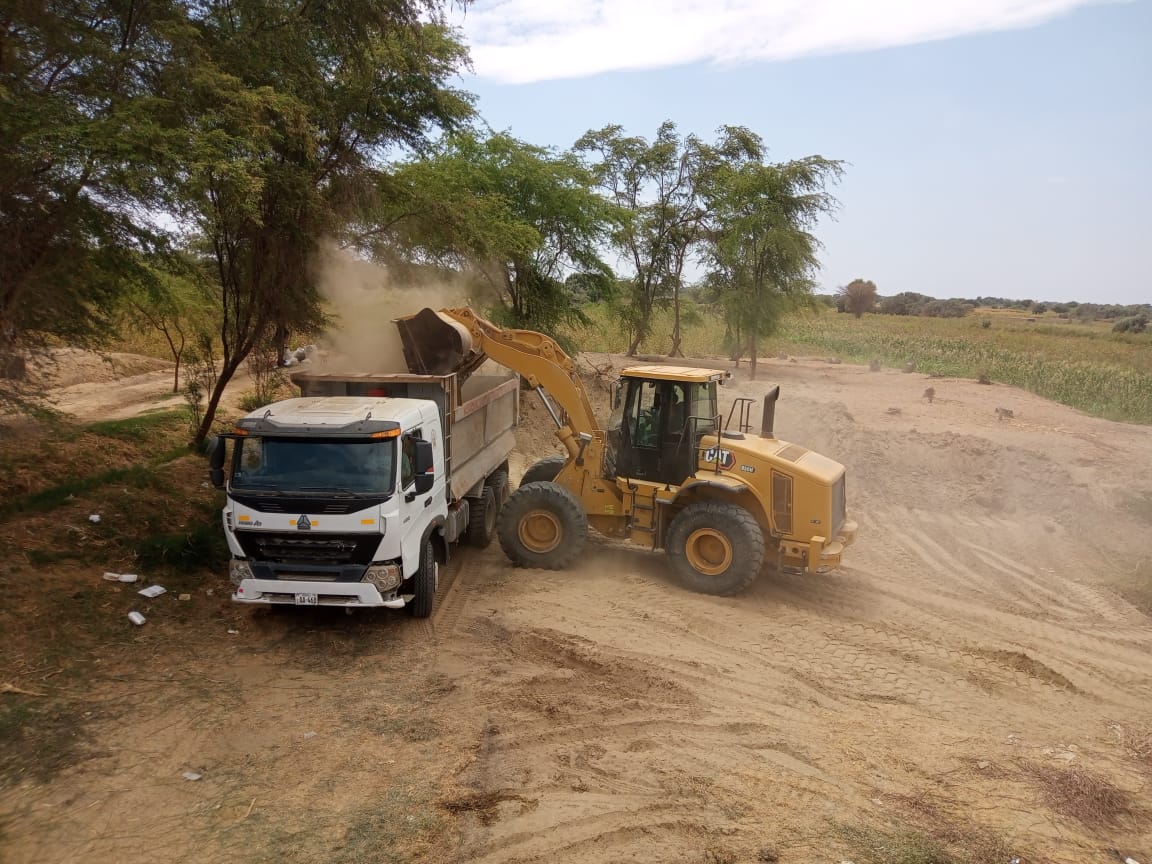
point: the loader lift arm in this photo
(458, 340)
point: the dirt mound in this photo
(65, 367)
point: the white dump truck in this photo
(355, 492)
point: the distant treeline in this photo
(912, 303)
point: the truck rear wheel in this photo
(498, 482)
(482, 512)
(543, 525)
(716, 547)
(424, 583)
(545, 469)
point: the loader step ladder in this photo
(642, 514)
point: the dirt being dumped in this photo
(982, 639)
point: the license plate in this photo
(306, 599)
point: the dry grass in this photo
(483, 804)
(1085, 366)
(1137, 743)
(942, 845)
(1081, 795)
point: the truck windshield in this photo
(294, 465)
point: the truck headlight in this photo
(386, 577)
(238, 571)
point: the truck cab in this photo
(332, 501)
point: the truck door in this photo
(416, 510)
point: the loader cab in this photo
(660, 415)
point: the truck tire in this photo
(424, 583)
(498, 482)
(543, 525)
(545, 469)
(716, 547)
(482, 512)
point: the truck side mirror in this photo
(216, 463)
(424, 467)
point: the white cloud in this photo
(519, 41)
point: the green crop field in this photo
(1084, 366)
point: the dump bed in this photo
(478, 417)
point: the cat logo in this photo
(723, 457)
(304, 523)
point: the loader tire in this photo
(545, 469)
(482, 512)
(424, 583)
(716, 547)
(543, 525)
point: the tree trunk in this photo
(641, 332)
(675, 351)
(752, 358)
(214, 400)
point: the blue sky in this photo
(996, 147)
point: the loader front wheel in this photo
(716, 547)
(542, 525)
(546, 469)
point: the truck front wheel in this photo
(543, 525)
(424, 583)
(716, 547)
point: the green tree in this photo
(78, 146)
(859, 296)
(176, 303)
(289, 105)
(656, 184)
(526, 218)
(761, 252)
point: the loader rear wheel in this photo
(543, 525)
(545, 469)
(716, 547)
(482, 512)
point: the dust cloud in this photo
(363, 298)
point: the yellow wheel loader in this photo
(668, 472)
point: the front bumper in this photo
(825, 554)
(363, 595)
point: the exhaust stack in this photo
(769, 412)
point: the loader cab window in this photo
(702, 406)
(645, 414)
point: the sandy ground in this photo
(90, 385)
(975, 635)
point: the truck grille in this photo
(322, 506)
(839, 506)
(315, 549)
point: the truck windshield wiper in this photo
(335, 489)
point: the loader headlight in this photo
(386, 577)
(238, 571)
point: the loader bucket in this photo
(434, 344)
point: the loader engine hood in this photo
(792, 458)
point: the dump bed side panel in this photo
(482, 429)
